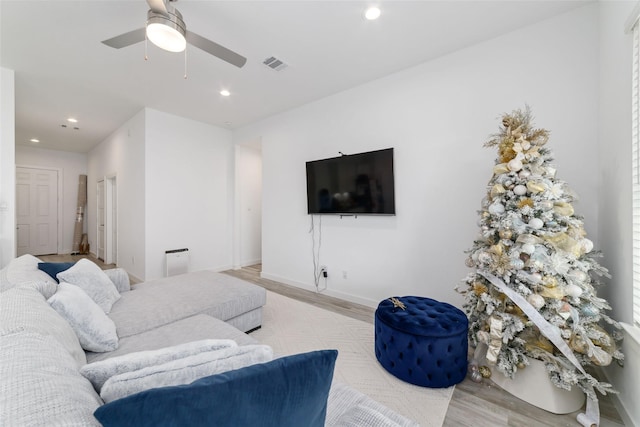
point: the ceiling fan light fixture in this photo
(167, 32)
(372, 13)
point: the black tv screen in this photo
(352, 184)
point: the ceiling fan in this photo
(166, 29)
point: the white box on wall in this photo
(176, 262)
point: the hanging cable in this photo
(315, 252)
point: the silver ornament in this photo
(520, 190)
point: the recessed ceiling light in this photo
(372, 13)
(72, 120)
(225, 92)
(34, 140)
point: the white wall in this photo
(71, 166)
(248, 205)
(436, 116)
(7, 166)
(614, 193)
(189, 192)
(122, 154)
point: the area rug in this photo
(290, 326)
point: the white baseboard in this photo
(337, 294)
(220, 268)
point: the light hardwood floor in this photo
(473, 404)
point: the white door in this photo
(110, 221)
(36, 211)
(100, 197)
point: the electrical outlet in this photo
(344, 274)
(323, 271)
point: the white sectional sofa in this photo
(41, 356)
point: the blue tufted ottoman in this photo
(424, 343)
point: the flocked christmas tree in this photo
(533, 261)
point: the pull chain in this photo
(185, 63)
(145, 42)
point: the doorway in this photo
(110, 221)
(107, 210)
(36, 211)
(100, 220)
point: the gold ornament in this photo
(484, 371)
(505, 234)
(605, 341)
(540, 342)
(535, 187)
(578, 344)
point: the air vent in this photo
(275, 63)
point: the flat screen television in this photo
(352, 184)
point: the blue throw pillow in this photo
(288, 392)
(53, 268)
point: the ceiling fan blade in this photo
(215, 49)
(126, 39)
(158, 6)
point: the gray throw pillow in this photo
(120, 279)
(91, 279)
(95, 331)
(184, 371)
(99, 372)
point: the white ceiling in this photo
(62, 69)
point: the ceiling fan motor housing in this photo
(166, 25)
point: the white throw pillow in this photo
(95, 331)
(91, 279)
(99, 372)
(184, 371)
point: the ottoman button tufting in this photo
(433, 331)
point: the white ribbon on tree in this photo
(591, 417)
